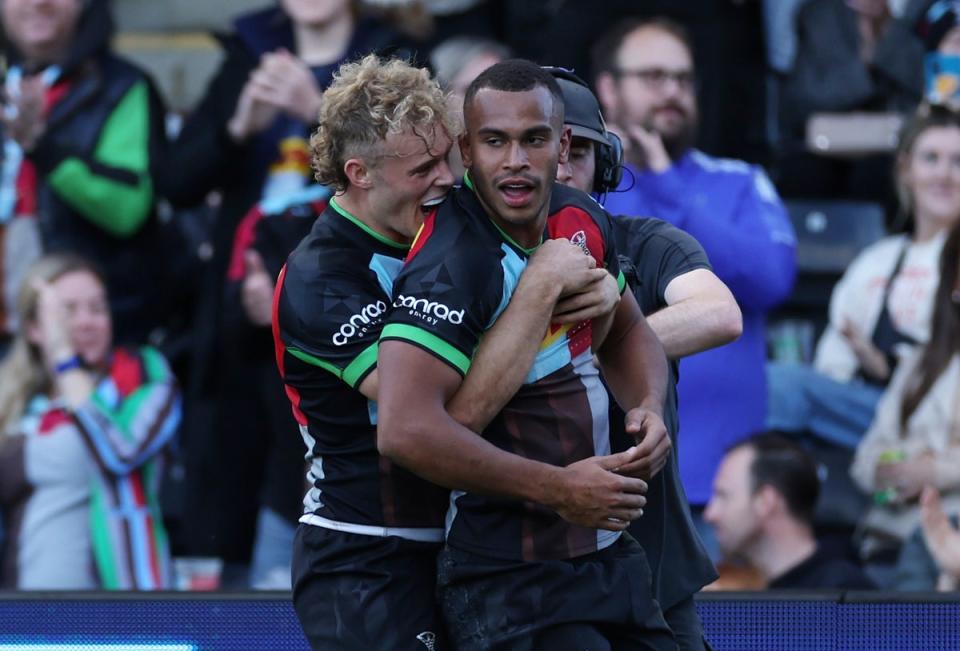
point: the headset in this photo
(608, 168)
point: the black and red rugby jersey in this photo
(457, 281)
(329, 306)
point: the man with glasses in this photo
(646, 83)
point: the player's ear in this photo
(358, 173)
(466, 155)
(566, 136)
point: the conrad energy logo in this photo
(359, 323)
(430, 311)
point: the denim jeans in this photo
(272, 552)
(801, 399)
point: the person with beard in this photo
(646, 84)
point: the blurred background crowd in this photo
(155, 174)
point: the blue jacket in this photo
(733, 210)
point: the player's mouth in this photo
(516, 192)
(430, 204)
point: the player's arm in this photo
(701, 313)
(558, 277)
(635, 368)
(416, 430)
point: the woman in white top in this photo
(914, 441)
(883, 303)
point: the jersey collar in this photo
(366, 229)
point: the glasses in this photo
(656, 78)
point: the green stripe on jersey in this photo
(100, 540)
(369, 231)
(429, 341)
(621, 281)
(315, 361)
(360, 365)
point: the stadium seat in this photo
(830, 234)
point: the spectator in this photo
(764, 497)
(83, 130)
(942, 538)
(884, 299)
(851, 56)
(941, 31)
(247, 139)
(645, 81)
(913, 440)
(84, 429)
(456, 62)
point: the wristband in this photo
(68, 365)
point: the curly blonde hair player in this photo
(368, 100)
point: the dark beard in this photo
(675, 146)
(680, 143)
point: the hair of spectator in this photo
(786, 467)
(367, 101)
(515, 76)
(23, 373)
(944, 341)
(928, 116)
(452, 55)
(603, 54)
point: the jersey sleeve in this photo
(670, 253)
(610, 259)
(446, 297)
(331, 322)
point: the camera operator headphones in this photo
(584, 117)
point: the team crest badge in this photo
(580, 239)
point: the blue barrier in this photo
(266, 622)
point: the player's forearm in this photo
(633, 361)
(505, 355)
(696, 324)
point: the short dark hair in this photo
(603, 54)
(788, 468)
(514, 76)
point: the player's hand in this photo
(595, 495)
(597, 299)
(653, 443)
(257, 291)
(561, 264)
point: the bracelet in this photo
(68, 365)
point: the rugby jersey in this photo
(458, 280)
(329, 306)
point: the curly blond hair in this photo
(367, 101)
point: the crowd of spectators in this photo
(94, 292)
